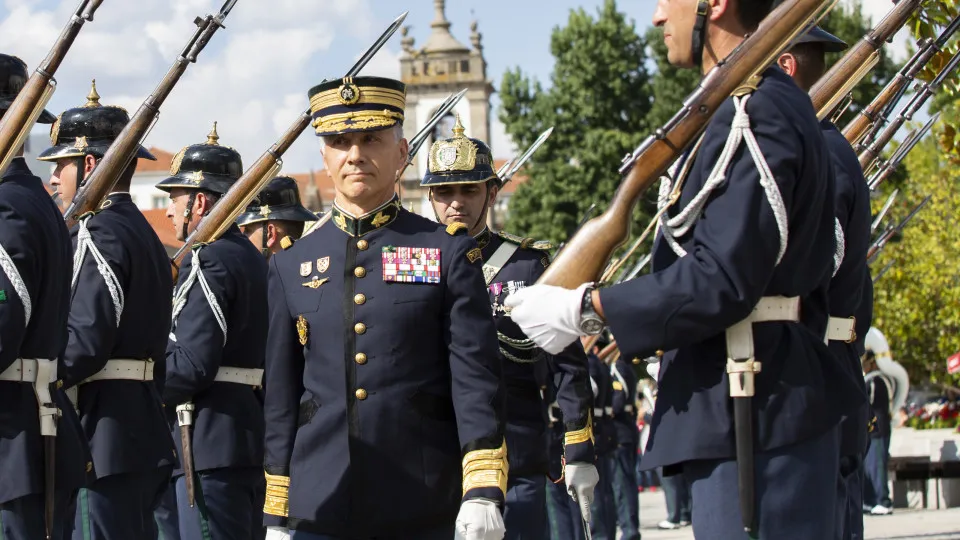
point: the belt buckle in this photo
(853, 330)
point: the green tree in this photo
(597, 103)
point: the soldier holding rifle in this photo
(275, 219)
(215, 355)
(43, 464)
(806, 63)
(747, 240)
(118, 325)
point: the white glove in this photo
(653, 369)
(548, 315)
(479, 519)
(581, 479)
(278, 533)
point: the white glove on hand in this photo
(548, 315)
(653, 370)
(278, 533)
(479, 519)
(581, 479)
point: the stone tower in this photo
(441, 67)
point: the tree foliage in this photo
(916, 301)
(597, 103)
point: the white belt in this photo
(740, 359)
(842, 329)
(41, 372)
(608, 411)
(628, 408)
(598, 412)
(123, 369)
(21, 370)
(247, 376)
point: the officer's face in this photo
(364, 166)
(464, 203)
(677, 18)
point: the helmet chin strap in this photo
(81, 173)
(700, 32)
(263, 239)
(188, 213)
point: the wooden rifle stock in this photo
(109, 169)
(225, 212)
(854, 65)
(23, 113)
(870, 118)
(584, 257)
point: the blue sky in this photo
(254, 75)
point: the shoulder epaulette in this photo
(526, 243)
(748, 87)
(286, 242)
(456, 227)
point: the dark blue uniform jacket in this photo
(376, 389)
(524, 378)
(228, 420)
(36, 240)
(123, 420)
(852, 207)
(685, 305)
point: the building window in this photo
(159, 201)
(464, 66)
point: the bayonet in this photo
(883, 271)
(421, 137)
(515, 165)
(888, 234)
(886, 169)
(883, 211)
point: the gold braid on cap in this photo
(486, 468)
(277, 502)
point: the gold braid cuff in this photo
(486, 468)
(277, 501)
(580, 435)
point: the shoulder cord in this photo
(10, 270)
(86, 244)
(180, 299)
(739, 132)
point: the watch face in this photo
(591, 326)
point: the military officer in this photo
(34, 302)
(118, 325)
(382, 383)
(463, 186)
(806, 63)
(276, 217)
(215, 353)
(623, 463)
(748, 240)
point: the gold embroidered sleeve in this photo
(581, 435)
(277, 502)
(486, 468)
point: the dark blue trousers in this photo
(525, 514)
(796, 492)
(875, 488)
(229, 505)
(565, 520)
(121, 506)
(850, 499)
(443, 533)
(165, 515)
(676, 490)
(623, 466)
(22, 519)
(603, 511)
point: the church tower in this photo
(443, 66)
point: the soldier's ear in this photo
(273, 234)
(89, 162)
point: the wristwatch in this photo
(590, 322)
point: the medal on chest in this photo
(411, 264)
